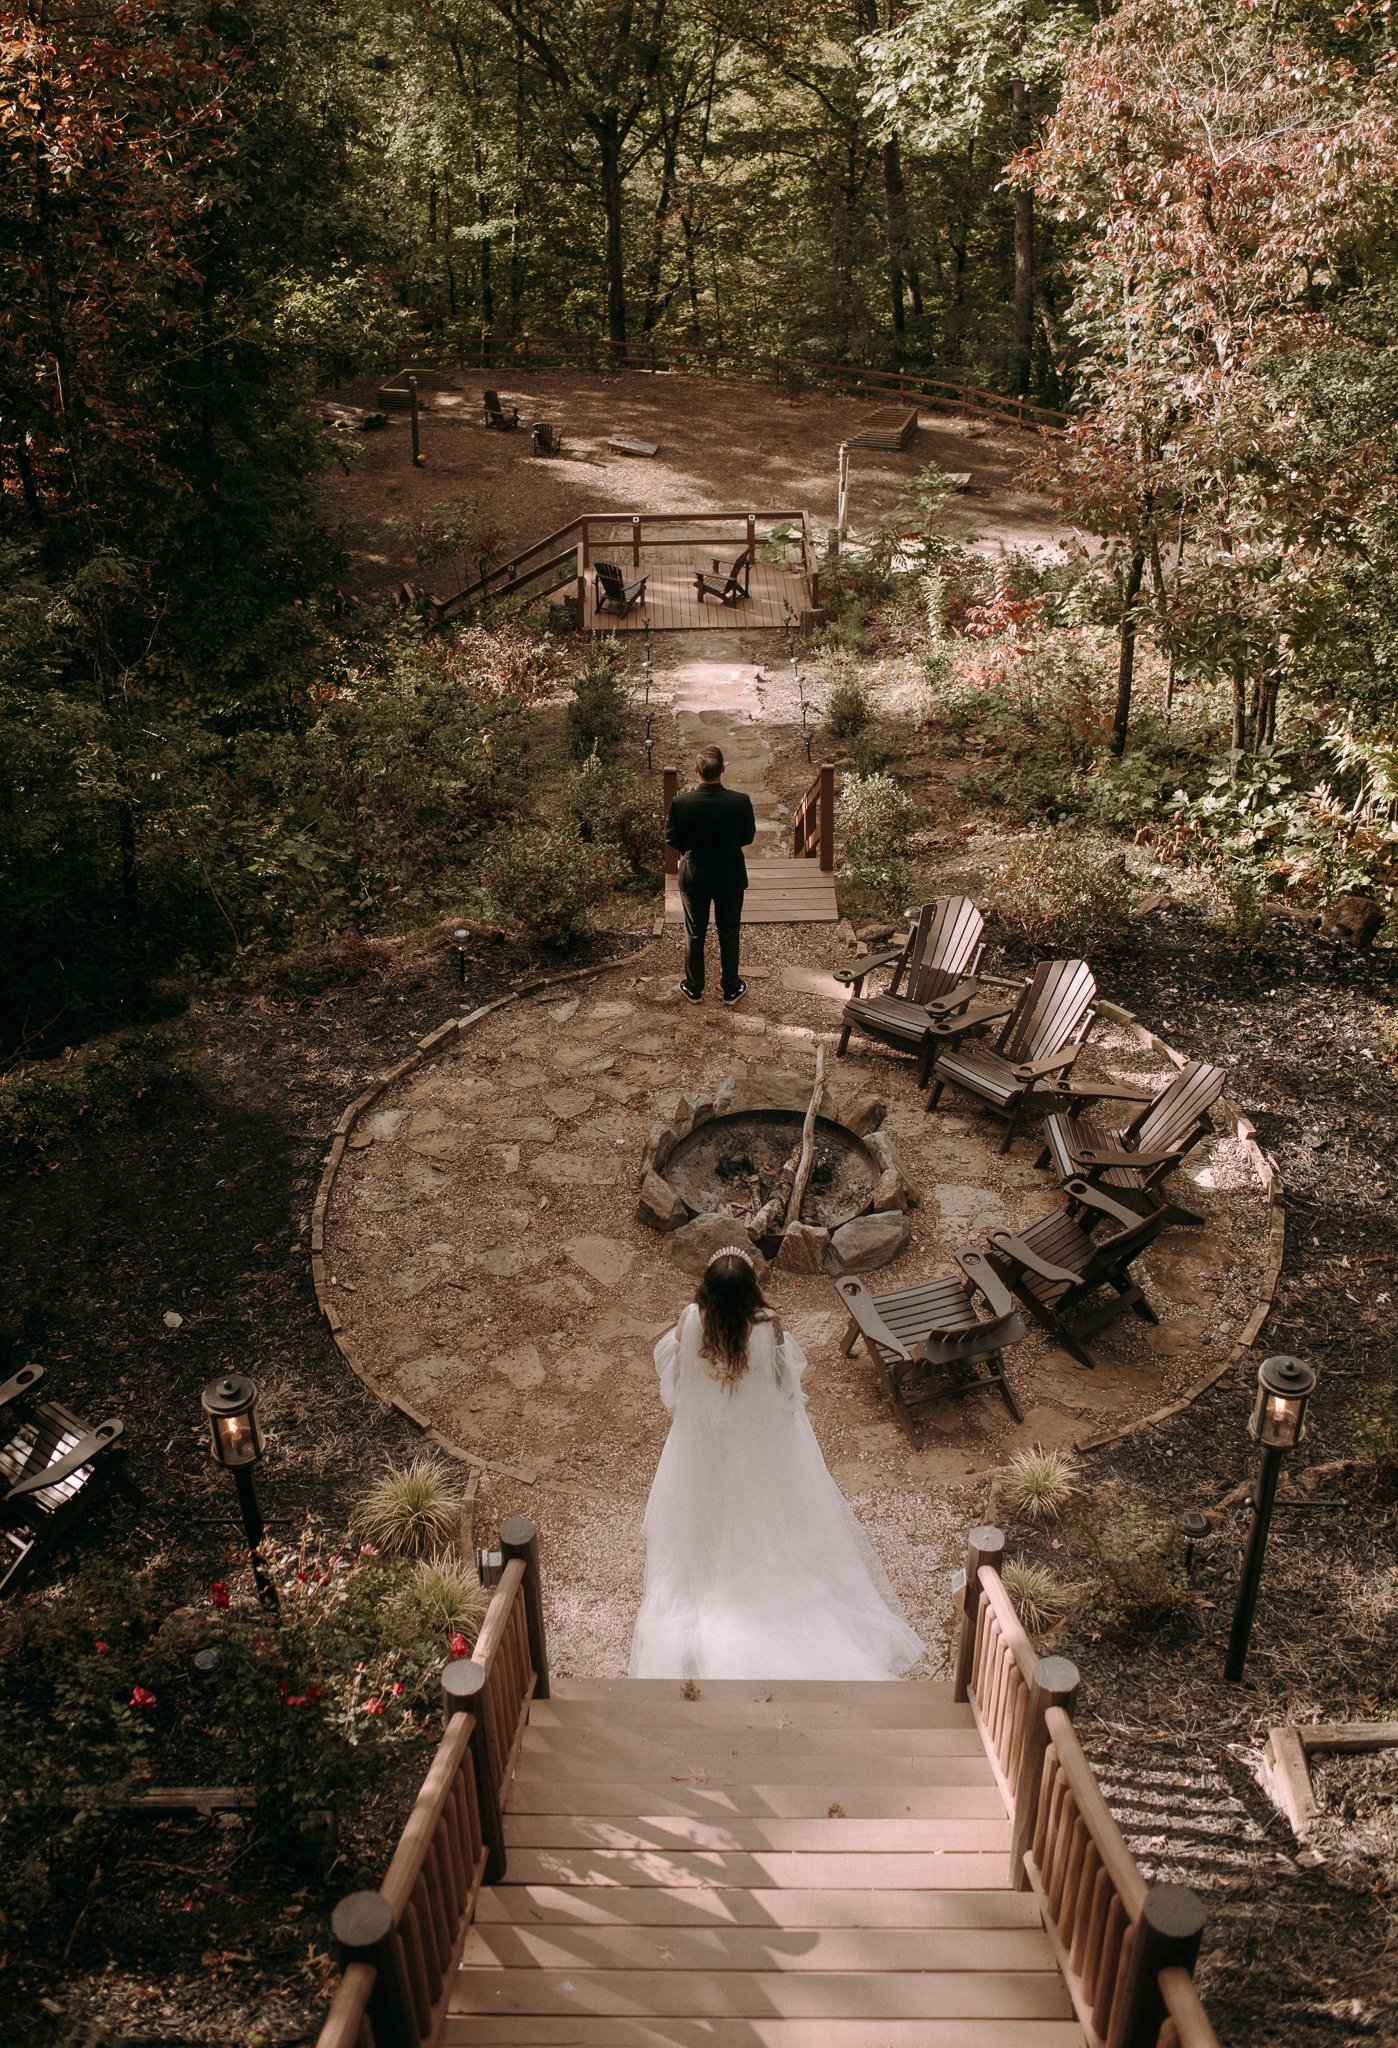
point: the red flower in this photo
(398, 1688)
(300, 1578)
(374, 1706)
(282, 1685)
(315, 1692)
(295, 1699)
(219, 1595)
(101, 1648)
(140, 1697)
(460, 1647)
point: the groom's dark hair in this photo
(708, 764)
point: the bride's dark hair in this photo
(729, 1302)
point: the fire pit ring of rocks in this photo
(723, 1170)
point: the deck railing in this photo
(401, 1944)
(947, 394)
(813, 827)
(1126, 1947)
(568, 555)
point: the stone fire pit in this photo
(710, 1175)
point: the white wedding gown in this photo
(755, 1567)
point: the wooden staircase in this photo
(774, 1865)
(611, 1863)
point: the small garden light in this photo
(461, 939)
(235, 1433)
(1284, 1386)
(1195, 1528)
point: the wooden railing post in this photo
(987, 1546)
(670, 789)
(752, 535)
(1054, 1684)
(635, 541)
(362, 1925)
(463, 1692)
(519, 1538)
(1165, 1936)
(582, 585)
(827, 818)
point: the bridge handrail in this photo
(813, 827)
(1122, 1944)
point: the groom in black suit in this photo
(709, 826)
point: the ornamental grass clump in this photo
(1039, 1599)
(442, 1599)
(1041, 1483)
(411, 1510)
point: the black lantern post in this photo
(1284, 1386)
(230, 1404)
(461, 940)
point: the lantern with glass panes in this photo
(1277, 1422)
(235, 1434)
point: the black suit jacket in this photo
(710, 826)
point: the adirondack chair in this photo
(731, 587)
(52, 1469)
(930, 1341)
(1130, 1160)
(1069, 1281)
(546, 438)
(504, 417)
(1042, 1036)
(611, 591)
(939, 958)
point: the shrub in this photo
(1139, 1556)
(121, 1079)
(1039, 1599)
(546, 882)
(873, 817)
(611, 806)
(1376, 1432)
(1041, 1483)
(871, 752)
(442, 1598)
(601, 701)
(848, 709)
(411, 1509)
(1064, 893)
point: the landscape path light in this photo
(230, 1404)
(1284, 1386)
(461, 939)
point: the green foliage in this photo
(873, 818)
(613, 807)
(599, 712)
(1264, 818)
(120, 1079)
(1139, 1558)
(1039, 1598)
(544, 881)
(442, 1598)
(1064, 892)
(1041, 1483)
(847, 709)
(410, 1508)
(1376, 1432)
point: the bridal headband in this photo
(733, 1251)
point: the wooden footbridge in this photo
(798, 888)
(644, 1864)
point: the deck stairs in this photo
(756, 1865)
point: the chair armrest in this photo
(978, 1013)
(1117, 1155)
(860, 1303)
(868, 963)
(24, 1382)
(980, 1341)
(955, 999)
(1035, 1070)
(1093, 1198)
(1104, 1091)
(1024, 1255)
(983, 1276)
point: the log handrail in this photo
(401, 1944)
(1126, 1948)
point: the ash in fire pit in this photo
(781, 1164)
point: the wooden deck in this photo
(779, 892)
(772, 1865)
(672, 606)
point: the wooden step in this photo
(665, 1833)
(751, 1712)
(779, 1994)
(761, 1870)
(472, 2030)
(610, 1905)
(513, 1947)
(555, 1791)
(891, 1747)
(855, 1692)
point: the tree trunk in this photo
(896, 220)
(1126, 663)
(1024, 251)
(609, 148)
(1238, 736)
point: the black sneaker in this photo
(737, 996)
(691, 995)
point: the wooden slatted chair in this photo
(1042, 1036)
(502, 417)
(52, 1469)
(931, 1342)
(730, 587)
(1130, 1160)
(939, 958)
(1072, 1283)
(612, 592)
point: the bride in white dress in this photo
(755, 1567)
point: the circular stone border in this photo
(426, 1050)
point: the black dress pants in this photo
(698, 898)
